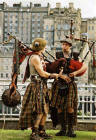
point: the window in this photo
(38, 14)
(46, 38)
(0, 107)
(47, 34)
(6, 14)
(39, 25)
(66, 26)
(6, 30)
(92, 27)
(16, 16)
(5, 35)
(38, 30)
(1, 75)
(16, 22)
(52, 27)
(33, 20)
(6, 19)
(52, 35)
(59, 26)
(89, 28)
(44, 14)
(5, 24)
(6, 67)
(10, 30)
(33, 31)
(33, 35)
(33, 14)
(6, 75)
(58, 37)
(21, 75)
(33, 25)
(38, 35)
(46, 27)
(38, 19)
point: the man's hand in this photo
(72, 74)
(66, 78)
(54, 76)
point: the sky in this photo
(88, 7)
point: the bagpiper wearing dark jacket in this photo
(64, 96)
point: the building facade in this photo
(57, 24)
(30, 22)
(6, 63)
(88, 27)
(26, 23)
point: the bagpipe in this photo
(11, 97)
(75, 64)
(54, 67)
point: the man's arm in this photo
(35, 61)
(82, 69)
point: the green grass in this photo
(25, 135)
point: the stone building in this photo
(6, 62)
(32, 21)
(58, 23)
(24, 22)
(1, 22)
(88, 28)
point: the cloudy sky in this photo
(88, 7)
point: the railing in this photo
(7, 112)
(87, 107)
(86, 103)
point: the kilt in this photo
(64, 99)
(34, 102)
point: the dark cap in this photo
(67, 40)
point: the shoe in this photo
(35, 136)
(71, 133)
(44, 135)
(61, 133)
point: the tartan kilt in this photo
(72, 100)
(59, 96)
(64, 99)
(33, 103)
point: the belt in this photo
(37, 77)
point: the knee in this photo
(70, 110)
(45, 114)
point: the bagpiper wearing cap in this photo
(38, 44)
(35, 101)
(67, 40)
(64, 96)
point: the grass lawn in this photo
(25, 135)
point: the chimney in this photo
(31, 5)
(17, 5)
(71, 5)
(58, 5)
